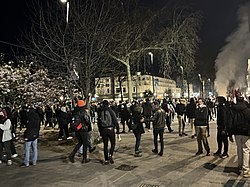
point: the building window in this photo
(107, 80)
(124, 90)
(107, 85)
(117, 90)
(134, 89)
(108, 91)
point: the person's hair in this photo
(105, 103)
(239, 99)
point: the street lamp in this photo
(202, 83)
(67, 4)
(152, 62)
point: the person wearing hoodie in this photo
(5, 136)
(31, 135)
(200, 123)
(159, 123)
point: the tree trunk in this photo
(130, 97)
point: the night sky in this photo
(219, 20)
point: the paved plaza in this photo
(177, 167)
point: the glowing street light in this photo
(152, 62)
(67, 4)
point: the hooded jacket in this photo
(6, 128)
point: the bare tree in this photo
(73, 49)
(171, 32)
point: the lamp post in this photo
(152, 62)
(182, 82)
(67, 8)
(201, 86)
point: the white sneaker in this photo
(14, 156)
(149, 130)
(1, 161)
(9, 163)
(59, 139)
(69, 138)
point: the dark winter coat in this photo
(201, 116)
(147, 109)
(80, 116)
(63, 118)
(180, 109)
(221, 117)
(33, 125)
(190, 110)
(159, 119)
(137, 120)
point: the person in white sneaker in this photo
(5, 136)
(63, 121)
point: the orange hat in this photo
(80, 103)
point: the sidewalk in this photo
(177, 167)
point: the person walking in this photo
(107, 121)
(159, 122)
(31, 135)
(200, 123)
(5, 136)
(147, 113)
(81, 124)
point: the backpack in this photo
(106, 119)
(78, 123)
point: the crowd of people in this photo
(135, 117)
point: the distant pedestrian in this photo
(147, 113)
(107, 121)
(137, 120)
(190, 111)
(63, 121)
(200, 123)
(5, 136)
(159, 123)
(31, 135)
(180, 109)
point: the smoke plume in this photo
(231, 62)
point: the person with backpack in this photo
(222, 134)
(81, 125)
(107, 121)
(200, 123)
(180, 109)
(241, 131)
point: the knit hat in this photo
(80, 103)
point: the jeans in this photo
(108, 134)
(181, 124)
(201, 132)
(243, 151)
(6, 146)
(27, 152)
(90, 144)
(156, 132)
(137, 141)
